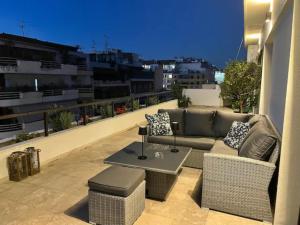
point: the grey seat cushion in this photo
(176, 115)
(117, 180)
(203, 143)
(254, 119)
(221, 148)
(259, 144)
(199, 123)
(224, 120)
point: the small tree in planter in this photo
(182, 100)
(241, 84)
(176, 90)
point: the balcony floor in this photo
(58, 195)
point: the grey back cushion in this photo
(176, 115)
(259, 144)
(199, 123)
(223, 122)
(261, 122)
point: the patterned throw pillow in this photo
(159, 124)
(236, 134)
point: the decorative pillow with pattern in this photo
(237, 134)
(159, 124)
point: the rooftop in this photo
(13, 37)
(58, 195)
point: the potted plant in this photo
(184, 101)
(241, 85)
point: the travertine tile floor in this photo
(58, 195)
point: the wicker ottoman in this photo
(116, 196)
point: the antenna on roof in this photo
(106, 42)
(22, 27)
(94, 46)
(238, 53)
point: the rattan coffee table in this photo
(161, 168)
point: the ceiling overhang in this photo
(255, 14)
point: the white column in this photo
(252, 53)
(288, 195)
(265, 82)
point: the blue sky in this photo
(211, 29)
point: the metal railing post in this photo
(46, 130)
(147, 101)
(112, 109)
(84, 116)
(132, 102)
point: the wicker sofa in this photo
(231, 183)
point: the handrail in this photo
(100, 102)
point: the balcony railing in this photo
(9, 95)
(111, 83)
(87, 112)
(48, 93)
(50, 65)
(82, 67)
(8, 64)
(85, 90)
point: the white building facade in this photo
(193, 73)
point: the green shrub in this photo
(136, 104)
(25, 136)
(153, 100)
(176, 90)
(61, 120)
(184, 101)
(106, 111)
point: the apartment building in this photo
(164, 70)
(192, 73)
(272, 38)
(118, 74)
(36, 75)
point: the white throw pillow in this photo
(237, 134)
(159, 124)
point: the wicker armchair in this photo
(238, 185)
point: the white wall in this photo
(66, 141)
(206, 97)
(279, 70)
(288, 194)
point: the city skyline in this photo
(154, 31)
